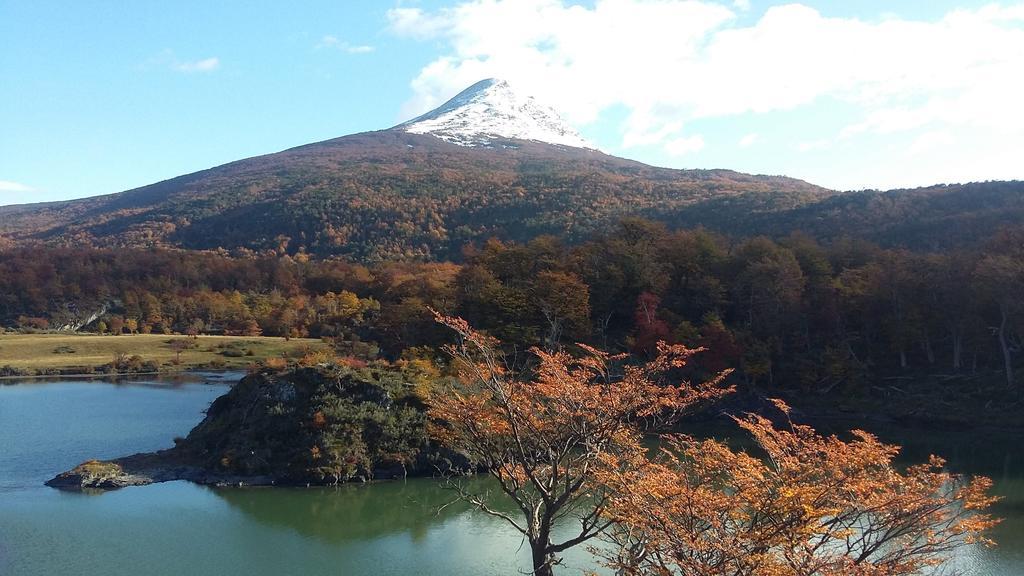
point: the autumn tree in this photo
(151, 311)
(410, 290)
(620, 267)
(768, 285)
(524, 293)
(808, 506)
(564, 301)
(542, 435)
(953, 297)
(897, 287)
(33, 323)
(722, 351)
(1001, 278)
(344, 309)
(649, 328)
(116, 325)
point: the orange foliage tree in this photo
(543, 435)
(809, 506)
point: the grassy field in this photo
(43, 352)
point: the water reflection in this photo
(414, 508)
(996, 454)
(350, 512)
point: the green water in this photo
(386, 528)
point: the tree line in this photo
(785, 313)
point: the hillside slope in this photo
(392, 194)
(927, 218)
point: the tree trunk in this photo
(541, 565)
(604, 330)
(542, 560)
(957, 350)
(1003, 344)
(554, 332)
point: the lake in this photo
(383, 528)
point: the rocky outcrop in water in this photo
(311, 425)
(97, 474)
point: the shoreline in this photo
(9, 380)
(170, 465)
(86, 355)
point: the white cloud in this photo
(929, 141)
(10, 186)
(204, 65)
(821, 144)
(748, 140)
(668, 63)
(335, 43)
(167, 59)
(686, 145)
(645, 131)
(743, 5)
(415, 23)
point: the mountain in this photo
(488, 163)
(516, 171)
(491, 110)
(389, 194)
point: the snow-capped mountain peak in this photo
(491, 109)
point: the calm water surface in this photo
(379, 529)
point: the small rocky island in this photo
(316, 425)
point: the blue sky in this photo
(99, 97)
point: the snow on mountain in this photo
(491, 109)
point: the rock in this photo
(97, 474)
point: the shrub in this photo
(9, 370)
(130, 364)
(276, 363)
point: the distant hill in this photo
(928, 218)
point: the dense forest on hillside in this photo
(392, 196)
(930, 218)
(388, 195)
(848, 318)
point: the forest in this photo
(846, 319)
